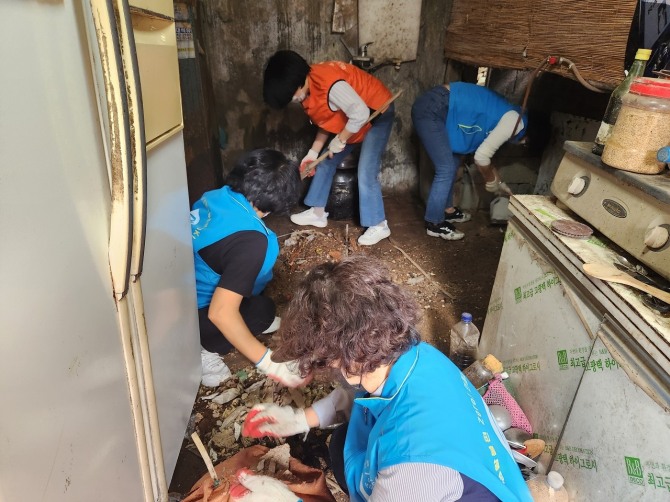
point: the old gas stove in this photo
(633, 210)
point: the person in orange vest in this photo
(338, 98)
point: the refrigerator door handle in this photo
(114, 112)
(138, 140)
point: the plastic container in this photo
(342, 201)
(643, 127)
(482, 371)
(463, 342)
(663, 155)
(614, 104)
(548, 488)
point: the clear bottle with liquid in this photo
(463, 342)
(614, 105)
(482, 371)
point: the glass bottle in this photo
(614, 105)
(483, 370)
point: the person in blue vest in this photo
(455, 119)
(417, 428)
(234, 253)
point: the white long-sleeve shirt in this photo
(500, 134)
(343, 97)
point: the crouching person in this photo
(418, 430)
(234, 255)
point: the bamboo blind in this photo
(520, 34)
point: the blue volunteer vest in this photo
(428, 412)
(474, 111)
(218, 214)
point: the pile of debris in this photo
(219, 413)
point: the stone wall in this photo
(234, 40)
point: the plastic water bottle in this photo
(463, 342)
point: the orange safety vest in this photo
(322, 77)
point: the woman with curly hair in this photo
(417, 429)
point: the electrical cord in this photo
(551, 61)
(546, 61)
(573, 67)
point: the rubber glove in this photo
(336, 145)
(285, 373)
(252, 487)
(311, 156)
(275, 421)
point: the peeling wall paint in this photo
(238, 38)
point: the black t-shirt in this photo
(238, 258)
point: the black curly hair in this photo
(267, 179)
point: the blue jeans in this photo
(371, 205)
(429, 115)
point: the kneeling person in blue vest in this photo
(234, 255)
(413, 426)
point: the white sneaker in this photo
(310, 218)
(374, 234)
(274, 326)
(214, 370)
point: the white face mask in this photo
(299, 98)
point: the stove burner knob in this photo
(656, 237)
(577, 185)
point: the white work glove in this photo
(311, 156)
(336, 145)
(257, 488)
(285, 373)
(277, 421)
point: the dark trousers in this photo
(336, 451)
(258, 313)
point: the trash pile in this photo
(219, 413)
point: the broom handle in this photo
(312, 166)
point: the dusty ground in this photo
(446, 277)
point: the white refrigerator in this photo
(99, 337)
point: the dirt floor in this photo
(447, 278)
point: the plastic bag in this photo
(310, 485)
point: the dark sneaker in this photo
(444, 230)
(457, 216)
